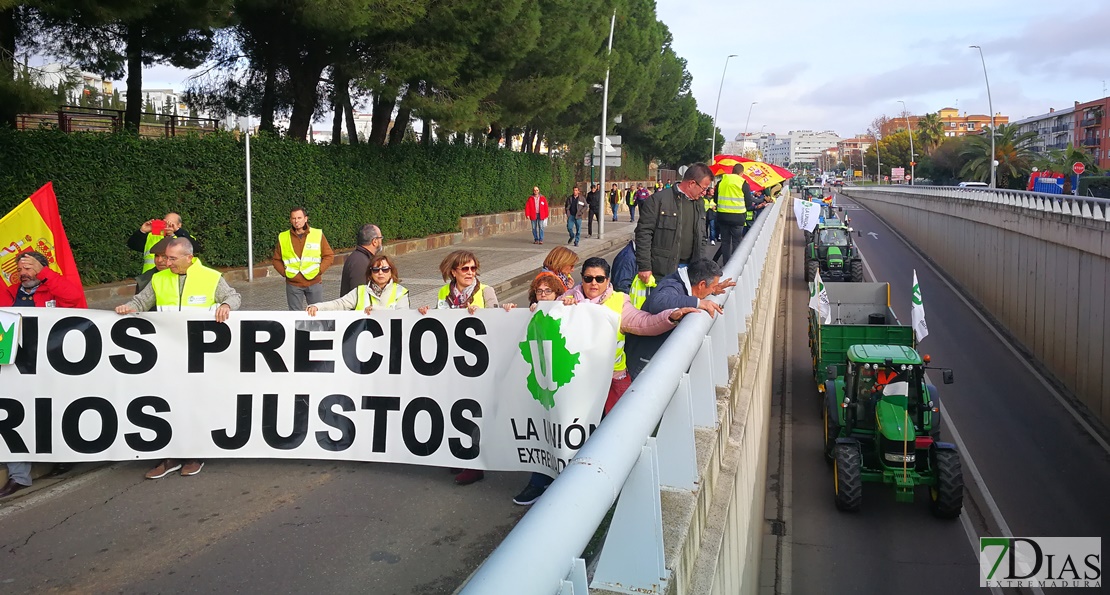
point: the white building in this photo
(53, 74)
(800, 146)
(165, 101)
(1054, 130)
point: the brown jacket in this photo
(327, 255)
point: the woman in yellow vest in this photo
(596, 289)
(383, 290)
(463, 291)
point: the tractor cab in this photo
(813, 193)
(890, 375)
(832, 251)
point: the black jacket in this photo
(668, 220)
(575, 207)
(354, 270)
(137, 241)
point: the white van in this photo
(973, 184)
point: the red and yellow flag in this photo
(36, 225)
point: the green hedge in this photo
(107, 184)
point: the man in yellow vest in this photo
(734, 208)
(301, 255)
(186, 284)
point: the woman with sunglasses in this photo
(382, 290)
(596, 289)
(545, 288)
(464, 291)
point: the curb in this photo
(525, 279)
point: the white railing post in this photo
(678, 458)
(703, 387)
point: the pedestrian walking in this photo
(614, 200)
(710, 201)
(301, 255)
(672, 225)
(575, 208)
(535, 208)
(39, 286)
(641, 195)
(734, 210)
(186, 284)
(368, 242)
(593, 198)
(153, 231)
(464, 291)
(382, 289)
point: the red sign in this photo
(1078, 167)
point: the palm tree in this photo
(930, 131)
(1060, 161)
(1013, 151)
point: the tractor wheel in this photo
(832, 428)
(857, 271)
(808, 235)
(847, 478)
(948, 493)
(811, 270)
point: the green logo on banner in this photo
(7, 343)
(916, 294)
(545, 349)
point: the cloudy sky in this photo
(836, 65)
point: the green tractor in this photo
(882, 425)
(832, 251)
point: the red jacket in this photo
(54, 287)
(530, 208)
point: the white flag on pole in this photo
(807, 213)
(918, 313)
(819, 299)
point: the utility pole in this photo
(604, 125)
(713, 141)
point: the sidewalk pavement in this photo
(508, 262)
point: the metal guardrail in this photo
(1086, 207)
(674, 393)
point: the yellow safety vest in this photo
(616, 304)
(730, 194)
(308, 263)
(710, 203)
(479, 300)
(199, 290)
(389, 303)
(638, 293)
(148, 256)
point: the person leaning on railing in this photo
(596, 289)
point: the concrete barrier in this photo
(1042, 274)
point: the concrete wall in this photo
(1044, 276)
(713, 538)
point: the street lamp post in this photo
(748, 120)
(990, 105)
(906, 113)
(604, 129)
(713, 141)
(878, 164)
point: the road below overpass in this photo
(1031, 466)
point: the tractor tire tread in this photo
(849, 464)
(857, 271)
(949, 499)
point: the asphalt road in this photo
(258, 526)
(1042, 473)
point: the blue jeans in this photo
(537, 229)
(632, 212)
(574, 229)
(615, 206)
(711, 225)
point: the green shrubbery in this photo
(109, 183)
(1098, 186)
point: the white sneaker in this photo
(713, 242)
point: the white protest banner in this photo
(807, 213)
(494, 390)
(819, 299)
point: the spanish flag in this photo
(36, 225)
